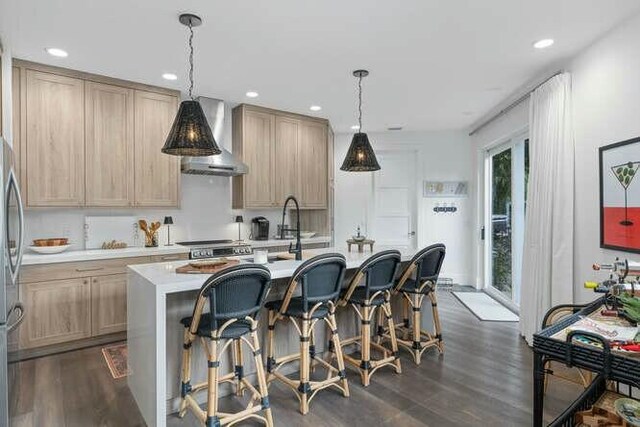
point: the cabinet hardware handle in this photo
(85, 282)
(82, 270)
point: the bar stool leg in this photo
(405, 318)
(304, 387)
(417, 327)
(212, 401)
(335, 339)
(238, 365)
(365, 348)
(436, 320)
(379, 326)
(271, 359)
(312, 351)
(386, 309)
(262, 381)
(186, 372)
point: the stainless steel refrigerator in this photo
(11, 309)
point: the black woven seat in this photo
(234, 330)
(413, 287)
(296, 308)
(359, 296)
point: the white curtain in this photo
(547, 270)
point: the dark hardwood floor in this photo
(484, 379)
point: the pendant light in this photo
(190, 134)
(360, 157)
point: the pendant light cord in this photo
(360, 103)
(190, 60)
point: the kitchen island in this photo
(158, 297)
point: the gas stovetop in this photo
(214, 248)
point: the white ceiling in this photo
(434, 64)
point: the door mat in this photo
(116, 358)
(486, 308)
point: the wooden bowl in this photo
(56, 241)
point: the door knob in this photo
(412, 233)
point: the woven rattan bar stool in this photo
(234, 295)
(319, 280)
(417, 281)
(378, 273)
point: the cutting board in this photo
(193, 269)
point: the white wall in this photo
(205, 211)
(443, 155)
(606, 100)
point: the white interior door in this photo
(394, 199)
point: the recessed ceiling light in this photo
(252, 94)
(541, 44)
(315, 108)
(54, 51)
(169, 76)
(355, 127)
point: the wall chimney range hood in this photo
(223, 164)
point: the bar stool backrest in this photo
(428, 263)
(320, 278)
(379, 271)
(233, 293)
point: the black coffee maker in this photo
(259, 228)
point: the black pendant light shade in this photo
(190, 134)
(360, 157)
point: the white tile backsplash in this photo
(205, 213)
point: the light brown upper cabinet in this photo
(88, 140)
(253, 141)
(157, 175)
(286, 155)
(109, 145)
(313, 178)
(286, 147)
(54, 139)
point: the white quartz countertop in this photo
(166, 280)
(32, 258)
(285, 242)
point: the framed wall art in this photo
(620, 196)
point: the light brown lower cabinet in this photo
(76, 300)
(108, 304)
(57, 311)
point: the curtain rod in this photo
(513, 105)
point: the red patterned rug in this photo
(116, 358)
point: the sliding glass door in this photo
(507, 171)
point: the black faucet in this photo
(298, 248)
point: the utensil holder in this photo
(151, 240)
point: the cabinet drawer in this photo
(170, 257)
(70, 270)
(56, 311)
